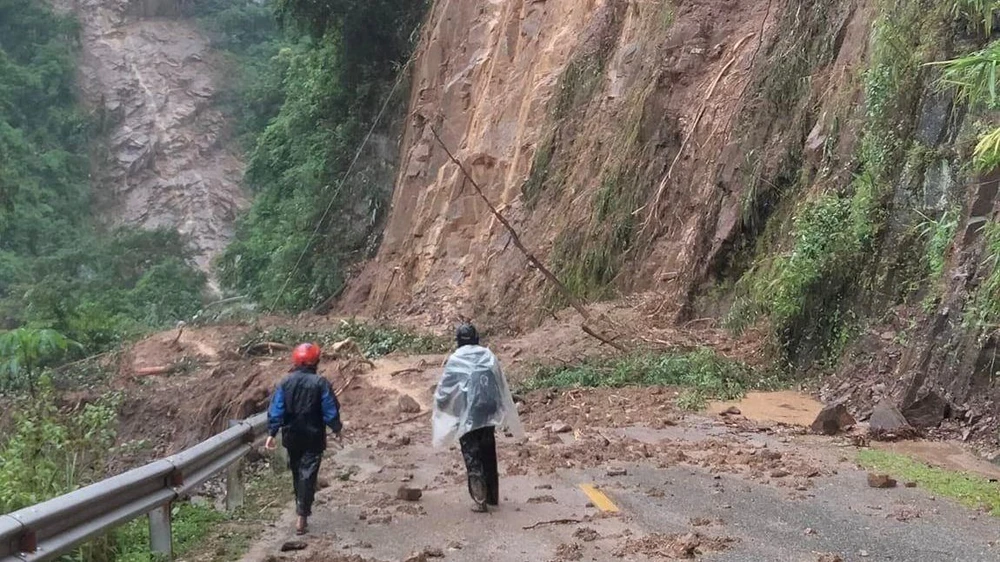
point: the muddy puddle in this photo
(942, 454)
(787, 406)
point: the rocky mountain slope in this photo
(797, 165)
(150, 77)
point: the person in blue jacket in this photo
(302, 407)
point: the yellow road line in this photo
(600, 500)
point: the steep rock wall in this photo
(151, 79)
(794, 164)
(572, 115)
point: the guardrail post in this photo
(235, 489)
(161, 542)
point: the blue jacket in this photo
(302, 407)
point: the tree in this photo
(25, 351)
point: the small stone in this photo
(809, 531)
(561, 427)
(779, 473)
(407, 405)
(911, 484)
(880, 481)
(289, 546)
(731, 411)
(322, 483)
(542, 499)
(409, 494)
(433, 552)
(770, 455)
(832, 420)
(617, 471)
(863, 553)
(543, 487)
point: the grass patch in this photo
(971, 491)
(375, 340)
(703, 373)
(203, 533)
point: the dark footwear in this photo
(477, 489)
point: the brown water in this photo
(786, 406)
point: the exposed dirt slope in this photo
(573, 116)
(151, 79)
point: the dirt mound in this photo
(604, 407)
(659, 545)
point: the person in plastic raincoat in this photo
(470, 402)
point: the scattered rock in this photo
(832, 420)
(568, 552)
(560, 427)
(543, 487)
(731, 411)
(542, 499)
(770, 455)
(322, 483)
(700, 522)
(829, 558)
(418, 557)
(586, 534)
(888, 423)
(407, 405)
(617, 471)
(880, 481)
(409, 494)
(911, 484)
(779, 473)
(433, 552)
(928, 411)
(290, 546)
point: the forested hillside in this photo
(57, 269)
(307, 97)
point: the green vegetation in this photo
(938, 234)
(49, 452)
(305, 113)
(703, 373)
(836, 237)
(972, 491)
(374, 340)
(24, 353)
(57, 270)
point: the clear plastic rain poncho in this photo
(472, 394)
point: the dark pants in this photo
(479, 448)
(304, 464)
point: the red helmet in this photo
(306, 355)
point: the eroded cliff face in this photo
(611, 133)
(151, 78)
(697, 152)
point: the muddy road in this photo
(627, 477)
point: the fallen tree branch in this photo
(552, 522)
(266, 348)
(516, 240)
(405, 371)
(341, 390)
(158, 370)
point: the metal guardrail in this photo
(57, 526)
